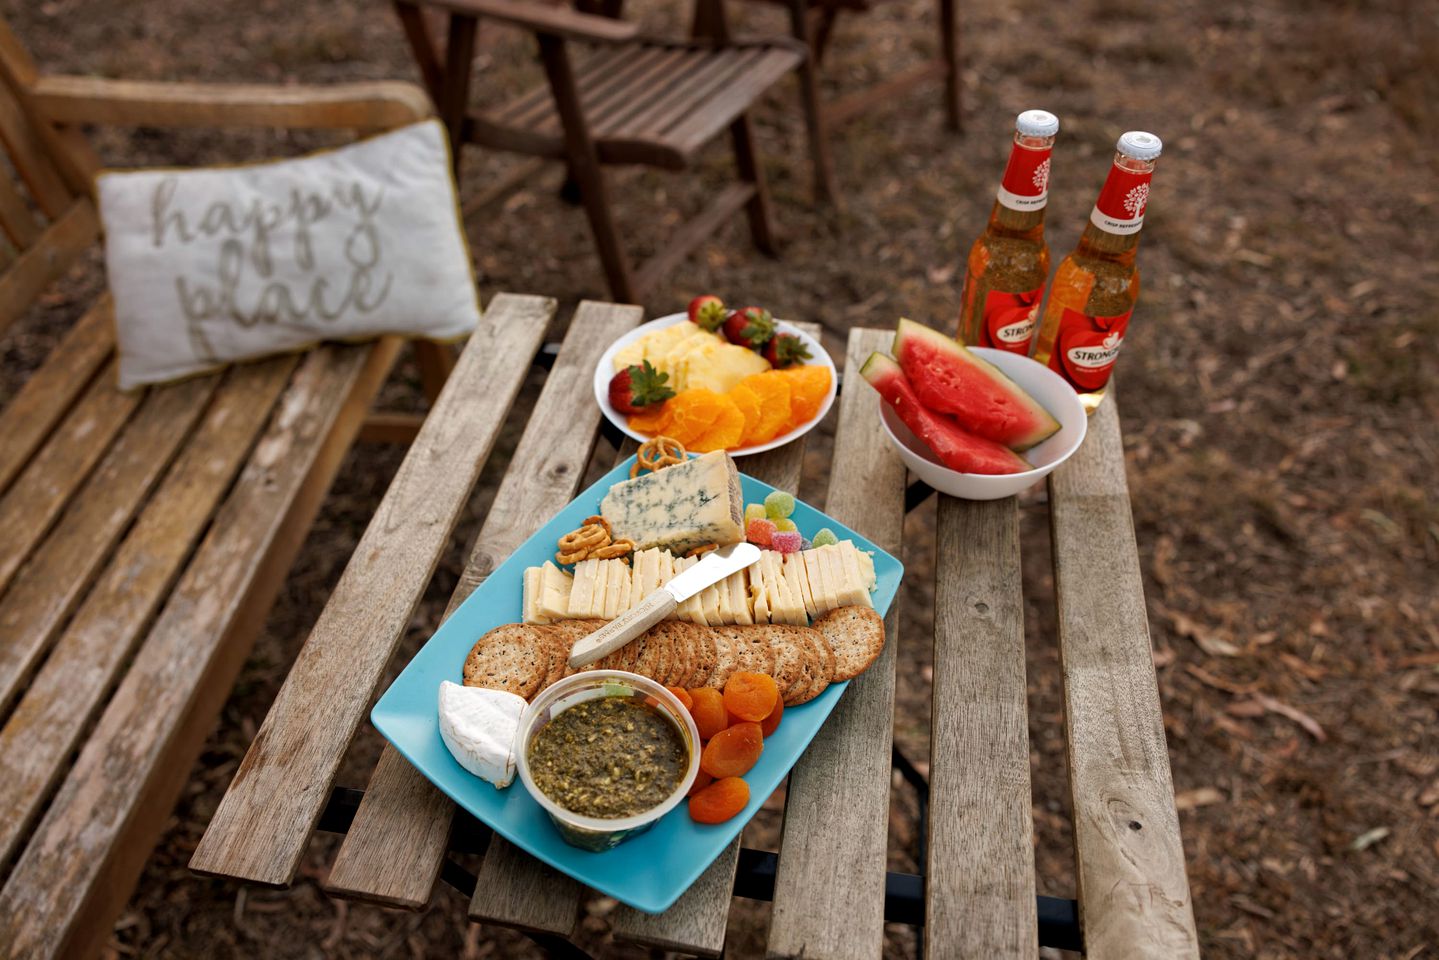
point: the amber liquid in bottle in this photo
(1091, 297)
(1008, 264)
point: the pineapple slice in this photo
(721, 368)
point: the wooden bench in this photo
(145, 533)
(831, 890)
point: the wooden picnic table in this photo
(831, 891)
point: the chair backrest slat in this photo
(27, 151)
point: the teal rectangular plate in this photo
(648, 871)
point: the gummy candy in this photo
(760, 532)
(787, 542)
(825, 537)
(779, 504)
(785, 525)
(755, 511)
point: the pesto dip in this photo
(609, 757)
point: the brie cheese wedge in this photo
(479, 727)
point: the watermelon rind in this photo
(953, 379)
(956, 448)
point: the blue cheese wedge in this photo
(679, 508)
(478, 727)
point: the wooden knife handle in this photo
(622, 630)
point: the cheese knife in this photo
(712, 568)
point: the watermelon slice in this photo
(948, 378)
(956, 448)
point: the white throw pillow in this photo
(210, 266)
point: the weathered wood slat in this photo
(1133, 892)
(47, 259)
(84, 856)
(693, 131)
(979, 878)
(42, 490)
(48, 587)
(15, 217)
(31, 156)
(829, 888)
(264, 822)
(394, 849)
(599, 89)
(696, 923)
(69, 690)
(33, 412)
(372, 105)
(689, 91)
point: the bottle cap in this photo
(1139, 145)
(1037, 123)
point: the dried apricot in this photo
(726, 431)
(808, 388)
(770, 723)
(719, 801)
(750, 696)
(702, 780)
(683, 696)
(708, 711)
(772, 389)
(731, 753)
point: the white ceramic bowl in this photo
(605, 371)
(1039, 382)
(595, 833)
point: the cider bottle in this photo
(1004, 277)
(1095, 287)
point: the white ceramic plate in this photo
(605, 372)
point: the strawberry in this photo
(786, 350)
(749, 327)
(707, 312)
(638, 386)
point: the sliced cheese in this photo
(582, 592)
(795, 573)
(856, 585)
(530, 596)
(866, 567)
(759, 591)
(602, 586)
(709, 604)
(791, 600)
(478, 727)
(555, 584)
(739, 602)
(624, 576)
(679, 508)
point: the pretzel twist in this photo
(656, 454)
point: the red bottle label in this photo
(1026, 179)
(1010, 320)
(1120, 207)
(1086, 347)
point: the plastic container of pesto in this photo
(596, 833)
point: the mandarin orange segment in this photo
(750, 696)
(719, 801)
(749, 406)
(652, 419)
(732, 752)
(772, 389)
(809, 386)
(708, 711)
(726, 431)
(692, 414)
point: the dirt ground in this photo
(1279, 397)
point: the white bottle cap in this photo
(1037, 123)
(1139, 145)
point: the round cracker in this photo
(513, 658)
(855, 634)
